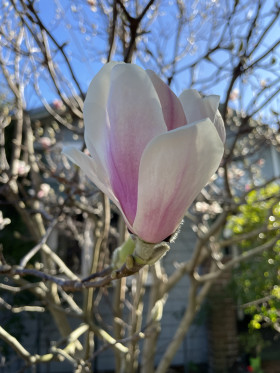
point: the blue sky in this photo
(86, 36)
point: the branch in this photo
(119, 300)
(181, 270)
(59, 262)
(111, 342)
(181, 330)
(134, 24)
(257, 301)
(126, 270)
(33, 359)
(36, 248)
(112, 33)
(21, 351)
(13, 342)
(17, 289)
(194, 302)
(230, 264)
(60, 47)
(22, 308)
(205, 238)
(245, 236)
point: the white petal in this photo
(95, 172)
(219, 124)
(96, 126)
(95, 116)
(92, 168)
(174, 168)
(99, 87)
(198, 108)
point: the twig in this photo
(36, 248)
(137, 336)
(244, 256)
(256, 302)
(73, 285)
(22, 308)
(14, 343)
(73, 336)
(17, 289)
(59, 262)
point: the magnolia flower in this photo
(152, 152)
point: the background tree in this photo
(48, 58)
(257, 281)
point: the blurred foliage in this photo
(253, 342)
(256, 282)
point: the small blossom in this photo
(45, 141)
(247, 187)
(58, 105)
(44, 190)
(213, 208)
(234, 95)
(22, 168)
(152, 152)
(92, 4)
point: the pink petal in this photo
(135, 118)
(174, 168)
(95, 115)
(173, 111)
(94, 170)
(197, 108)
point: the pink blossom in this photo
(45, 141)
(44, 190)
(152, 152)
(234, 95)
(22, 168)
(58, 104)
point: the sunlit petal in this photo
(135, 118)
(197, 108)
(173, 111)
(95, 113)
(174, 168)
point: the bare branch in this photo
(231, 263)
(14, 309)
(36, 248)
